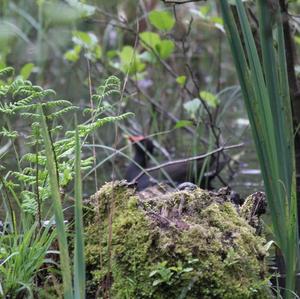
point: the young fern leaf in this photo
(6, 72)
(85, 130)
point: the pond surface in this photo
(236, 129)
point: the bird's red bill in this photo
(136, 138)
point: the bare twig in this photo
(170, 70)
(164, 112)
(181, 1)
(148, 170)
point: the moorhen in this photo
(176, 173)
(142, 146)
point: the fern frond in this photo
(46, 93)
(29, 203)
(56, 104)
(21, 98)
(29, 179)
(9, 134)
(31, 157)
(4, 90)
(112, 85)
(33, 116)
(15, 85)
(6, 72)
(61, 112)
(37, 88)
(85, 130)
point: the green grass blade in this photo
(284, 87)
(262, 113)
(285, 94)
(255, 96)
(278, 88)
(242, 68)
(59, 218)
(79, 262)
(266, 94)
(274, 90)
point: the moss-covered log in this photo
(180, 244)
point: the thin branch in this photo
(148, 170)
(164, 112)
(181, 1)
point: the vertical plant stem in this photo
(266, 93)
(79, 263)
(38, 199)
(59, 218)
(93, 118)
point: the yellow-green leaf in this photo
(162, 20)
(209, 98)
(26, 70)
(181, 80)
(165, 48)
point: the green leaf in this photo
(209, 98)
(111, 54)
(150, 39)
(161, 20)
(82, 38)
(130, 62)
(204, 10)
(73, 54)
(217, 20)
(154, 272)
(126, 54)
(26, 70)
(148, 57)
(181, 80)
(186, 270)
(97, 52)
(183, 123)
(156, 282)
(165, 48)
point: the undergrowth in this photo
(27, 238)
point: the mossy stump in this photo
(178, 244)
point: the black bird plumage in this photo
(142, 146)
(179, 173)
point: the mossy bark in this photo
(184, 244)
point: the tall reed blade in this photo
(79, 263)
(59, 218)
(266, 94)
(277, 83)
(261, 110)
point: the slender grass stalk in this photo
(79, 263)
(26, 254)
(281, 110)
(266, 94)
(59, 218)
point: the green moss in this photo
(176, 245)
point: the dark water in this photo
(236, 129)
(248, 178)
